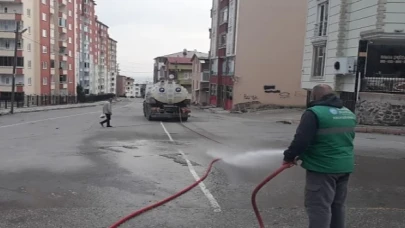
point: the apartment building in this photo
(121, 91)
(358, 48)
(129, 87)
(160, 68)
(112, 66)
(200, 77)
(57, 48)
(256, 53)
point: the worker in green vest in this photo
(324, 143)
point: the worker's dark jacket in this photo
(324, 138)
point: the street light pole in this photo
(17, 36)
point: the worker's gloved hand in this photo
(290, 161)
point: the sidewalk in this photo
(51, 107)
(293, 116)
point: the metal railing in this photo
(383, 84)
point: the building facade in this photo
(129, 87)
(112, 66)
(358, 49)
(200, 77)
(57, 47)
(261, 69)
(120, 86)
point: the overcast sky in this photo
(146, 29)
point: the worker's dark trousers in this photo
(325, 196)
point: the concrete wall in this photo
(381, 109)
(269, 49)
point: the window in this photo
(44, 49)
(29, 81)
(5, 10)
(70, 13)
(70, 53)
(322, 19)
(9, 60)
(222, 41)
(7, 81)
(43, 16)
(70, 66)
(44, 65)
(44, 33)
(70, 40)
(62, 22)
(29, 12)
(70, 26)
(319, 61)
(44, 81)
(223, 16)
(29, 47)
(29, 64)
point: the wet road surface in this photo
(62, 169)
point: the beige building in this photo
(256, 53)
(200, 79)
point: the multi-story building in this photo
(200, 79)
(103, 57)
(112, 66)
(129, 87)
(120, 89)
(252, 64)
(58, 47)
(358, 48)
(160, 68)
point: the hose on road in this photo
(160, 203)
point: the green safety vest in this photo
(332, 149)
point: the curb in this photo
(380, 130)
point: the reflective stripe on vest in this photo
(335, 130)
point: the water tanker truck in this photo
(166, 99)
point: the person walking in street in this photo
(324, 143)
(107, 111)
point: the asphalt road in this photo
(62, 169)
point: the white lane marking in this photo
(53, 118)
(214, 203)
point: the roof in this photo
(179, 60)
(112, 39)
(189, 54)
(200, 55)
(102, 23)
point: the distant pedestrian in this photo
(107, 111)
(324, 143)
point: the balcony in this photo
(7, 34)
(205, 76)
(63, 30)
(63, 2)
(320, 32)
(52, 26)
(62, 43)
(6, 70)
(10, 16)
(63, 71)
(64, 56)
(63, 15)
(52, 70)
(53, 56)
(51, 9)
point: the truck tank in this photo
(166, 99)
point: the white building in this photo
(335, 30)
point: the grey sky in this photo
(145, 29)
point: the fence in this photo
(27, 101)
(383, 84)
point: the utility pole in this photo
(17, 36)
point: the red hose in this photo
(148, 208)
(257, 189)
(160, 203)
